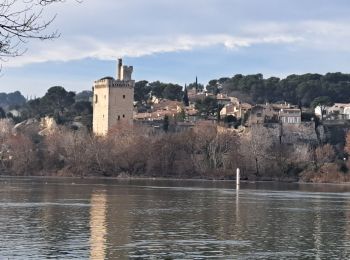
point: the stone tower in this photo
(113, 100)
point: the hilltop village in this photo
(124, 128)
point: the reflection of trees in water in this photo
(117, 222)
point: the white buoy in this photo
(238, 177)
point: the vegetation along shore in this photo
(187, 132)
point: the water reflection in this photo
(151, 220)
(237, 204)
(98, 226)
(317, 229)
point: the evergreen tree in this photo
(185, 98)
(2, 113)
(166, 123)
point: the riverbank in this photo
(167, 183)
(308, 177)
(199, 153)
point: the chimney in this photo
(120, 64)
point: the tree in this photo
(21, 20)
(212, 87)
(195, 85)
(172, 92)
(185, 98)
(258, 145)
(296, 89)
(141, 91)
(207, 107)
(85, 95)
(57, 99)
(181, 116)
(157, 89)
(2, 113)
(324, 154)
(58, 103)
(322, 102)
(166, 123)
(12, 100)
(347, 143)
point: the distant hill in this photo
(85, 95)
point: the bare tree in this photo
(21, 20)
(347, 143)
(324, 154)
(22, 155)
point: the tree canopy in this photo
(144, 90)
(59, 103)
(296, 89)
(12, 100)
(323, 102)
(207, 107)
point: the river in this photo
(159, 219)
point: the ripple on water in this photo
(149, 222)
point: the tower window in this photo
(123, 96)
(118, 117)
(96, 98)
(123, 116)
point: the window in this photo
(258, 114)
(123, 116)
(118, 117)
(96, 98)
(123, 96)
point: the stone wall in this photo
(335, 132)
(304, 132)
(300, 133)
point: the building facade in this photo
(339, 111)
(275, 113)
(113, 100)
(290, 116)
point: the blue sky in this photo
(175, 40)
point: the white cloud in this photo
(85, 47)
(137, 28)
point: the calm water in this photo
(110, 219)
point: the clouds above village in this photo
(232, 29)
(135, 28)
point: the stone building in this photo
(275, 113)
(290, 116)
(339, 111)
(237, 110)
(113, 100)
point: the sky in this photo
(177, 40)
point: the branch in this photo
(20, 21)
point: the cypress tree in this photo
(166, 123)
(185, 98)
